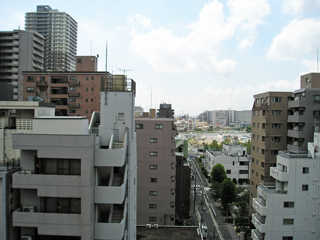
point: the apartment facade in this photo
(60, 37)
(165, 111)
(19, 51)
(235, 160)
(289, 207)
(86, 63)
(74, 93)
(156, 170)
(78, 180)
(268, 135)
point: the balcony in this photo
(29, 180)
(296, 103)
(112, 223)
(279, 175)
(112, 156)
(74, 94)
(255, 235)
(73, 105)
(115, 193)
(260, 206)
(297, 118)
(44, 222)
(258, 223)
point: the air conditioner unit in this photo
(156, 225)
(148, 225)
(28, 208)
(26, 237)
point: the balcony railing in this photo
(286, 154)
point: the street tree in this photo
(218, 173)
(214, 145)
(228, 194)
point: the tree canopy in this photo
(218, 173)
(228, 194)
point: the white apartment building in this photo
(288, 208)
(79, 182)
(234, 159)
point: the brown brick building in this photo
(74, 93)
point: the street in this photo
(205, 209)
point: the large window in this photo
(139, 126)
(288, 221)
(58, 166)
(276, 99)
(153, 193)
(60, 205)
(158, 126)
(153, 140)
(288, 204)
(153, 206)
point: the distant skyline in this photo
(196, 55)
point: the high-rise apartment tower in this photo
(60, 32)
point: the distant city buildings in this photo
(19, 51)
(225, 117)
(59, 30)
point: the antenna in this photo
(124, 70)
(107, 56)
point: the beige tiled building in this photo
(268, 136)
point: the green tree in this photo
(248, 129)
(241, 213)
(218, 173)
(214, 145)
(248, 145)
(228, 194)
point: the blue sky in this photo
(197, 55)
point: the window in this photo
(243, 163)
(262, 177)
(262, 151)
(87, 89)
(257, 161)
(86, 100)
(87, 78)
(288, 204)
(30, 79)
(253, 136)
(153, 153)
(274, 152)
(73, 78)
(305, 187)
(253, 124)
(60, 205)
(92, 78)
(30, 89)
(172, 204)
(258, 137)
(228, 171)
(153, 140)
(153, 193)
(72, 111)
(252, 171)
(263, 138)
(72, 100)
(257, 149)
(86, 111)
(262, 164)
(173, 178)
(258, 125)
(257, 101)
(173, 165)
(287, 238)
(276, 112)
(55, 166)
(91, 99)
(305, 170)
(252, 183)
(254, 113)
(275, 125)
(275, 139)
(154, 167)
(153, 180)
(92, 89)
(72, 89)
(153, 206)
(276, 99)
(252, 159)
(316, 98)
(253, 148)
(121, 116)
(288, 221)
(42, 79)
(139, 126)
(158, 126)
(79, 60)
(152, 219)
(173, 152)
(257, 174)
(91, 111)
(243, 171)
(172, 191)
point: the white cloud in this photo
(144, 21)
(247, 14)
(197, 51)
(311, 65)
(298, 6)
(300, 37)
